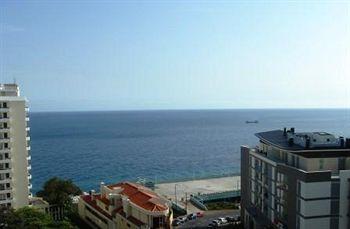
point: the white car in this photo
(222, 220)
(182, 219)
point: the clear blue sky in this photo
(111, 55)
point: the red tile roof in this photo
(141, 196)
(92, 203)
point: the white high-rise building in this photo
(14, 147)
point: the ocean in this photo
(161, 146)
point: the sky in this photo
(127, 55)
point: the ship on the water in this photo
(252, 121)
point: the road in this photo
(208, 217)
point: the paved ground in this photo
(198, 186)
(208, 217)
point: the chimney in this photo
(92, 194)
(102, 184)
(284, 131)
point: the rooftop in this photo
(9, 90)
(310, 141)
(141, 196)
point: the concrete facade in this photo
(286, 185)
(14, 146)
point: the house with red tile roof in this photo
(125, 205)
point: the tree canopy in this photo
(29, 218)
(58, 191)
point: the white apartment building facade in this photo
(14, 148)
(296, 180)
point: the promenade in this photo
(179, 190)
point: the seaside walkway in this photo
(179, 191)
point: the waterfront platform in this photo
(178, 191)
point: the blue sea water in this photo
(90, 147)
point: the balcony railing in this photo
(5, 150)
(4, 130)
(4, 109)
(5, 190)
(4, 140)
(2, 119)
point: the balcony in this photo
(28, 148)
(28, 138)
(6, 180)
(29, 167)
(6, 201)
(29, 176)
(27, 128)
(5, 190)
(27, 119)
(30, 186)
(5, 150)
(4, 130)
(4, 119)
(5, 160)
(4, 140)
(4, 171)
(4, 109)
(29, 157)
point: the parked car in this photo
(182, 219)
(200, 214)
(211, 225)
(216, 223)
(230, 219)
(192, 216)
(176, 222)
(222, 220)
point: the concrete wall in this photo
(315, 189)
(319, 223)
(19, 153)
(344, 177)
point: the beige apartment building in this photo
(14, 147)
(125, 205)
(296, 180)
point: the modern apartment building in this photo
(14, 146)
(296, 180)
(125, 205)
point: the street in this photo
(208, 217)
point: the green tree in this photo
(57, 191)
(29, 218)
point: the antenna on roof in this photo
(14, 80)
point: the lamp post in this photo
(175, 194)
